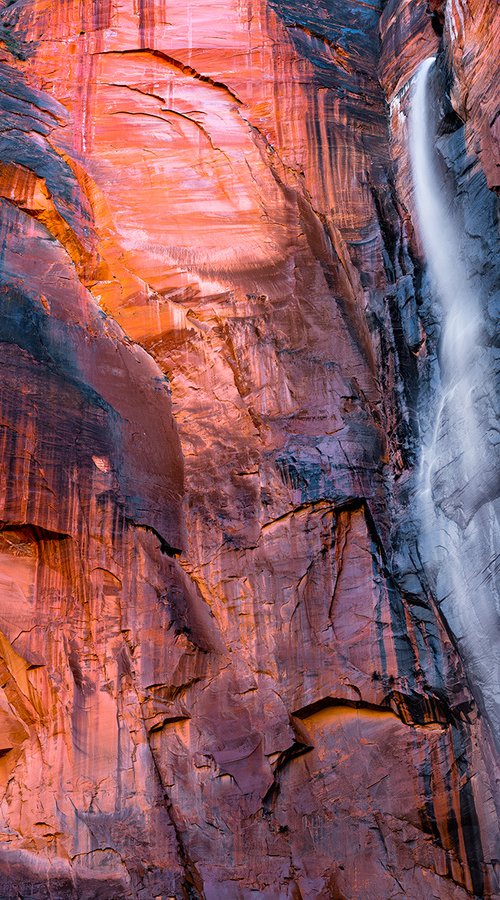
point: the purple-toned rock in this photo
(224, 670)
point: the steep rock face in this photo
(466, 501)
(225, 672)
(471, 42)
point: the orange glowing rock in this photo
(212, 682)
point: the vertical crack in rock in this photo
(193, 884)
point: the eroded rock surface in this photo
(226, 672)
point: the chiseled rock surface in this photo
(464, 112)
(471, 37)
(224, 672)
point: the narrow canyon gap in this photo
(247, 462)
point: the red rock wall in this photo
(214, 680)
(472, 38)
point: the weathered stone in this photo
(225, 670)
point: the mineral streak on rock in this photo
(225, 671)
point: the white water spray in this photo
(459, 526)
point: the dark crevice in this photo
(166, 548)
(192, 887)
(412, 710)
(177, 64)
(34, 533)
(300, 746)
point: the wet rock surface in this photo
(226, 670)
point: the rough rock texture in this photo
(225, 672)
(465, 497)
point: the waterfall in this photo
(459, 526)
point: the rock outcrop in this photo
(226, 670)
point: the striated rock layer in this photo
(225, 671)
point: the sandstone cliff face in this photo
(225, 670)
(465, 496)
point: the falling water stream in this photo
(459, 527)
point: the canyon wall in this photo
(226, 669)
